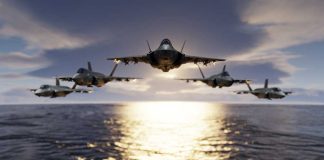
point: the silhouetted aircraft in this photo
(166, 57)
(220, 80)
(57, 90)
(87, 77)
(266, 93)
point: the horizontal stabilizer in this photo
(66, 78)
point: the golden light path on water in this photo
(173, 130)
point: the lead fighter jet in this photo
(57, 90)
(87, 77)
(220, 80)
(266, 92)
(166, 57)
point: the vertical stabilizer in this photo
(148, 44)
(89, 66)
(57, 81)
(202, 74)
(183, 45)
(113, 71)
(224, 68)
(248, 85)
(266, 83)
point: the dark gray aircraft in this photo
(57, 90)
(87, 77)
(166, 57)
(266, 93)
(220, 80)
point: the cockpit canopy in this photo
(44, 87)
(81, 70)
(166, 41)
(166, 45)
(276, 89)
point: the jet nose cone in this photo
(77, 78)
(38, 93)
(282, 95)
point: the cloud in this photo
(11, 76)
(286, 22)
(275, 66)
(37, 34)
(19, 60)
(137, 86)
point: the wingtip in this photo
(117, 61)
(248, 81)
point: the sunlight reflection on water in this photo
(173, 130)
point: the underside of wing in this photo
(204, 60)
(192, 79)
(134, 59)
(66, 78)
(82, 90)
(242, 81)
(242, 92)
(287, 93)
(127, 79)
(32, 90)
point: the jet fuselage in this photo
(165, 57)
(269, 93)
(84, 77)
(220, 80)
(52, 91)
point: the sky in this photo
(281, 40)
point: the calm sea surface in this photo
(161, 131)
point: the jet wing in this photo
(242, 92)
(287, 93)
(65, 78)
(242, 81)
(82, 90)
(32, 90)
(192, 79)
(134, 59)
(121, 78)
(204, 60)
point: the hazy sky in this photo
(282, 40)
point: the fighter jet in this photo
(220, 80)
(266, 93)
(87, 77)
(57, 90)
(165, 57)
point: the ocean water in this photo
(161, 130)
